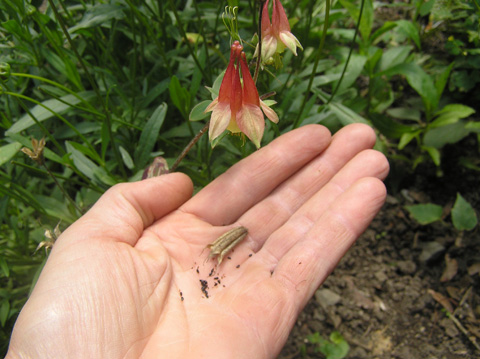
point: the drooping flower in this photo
(250, 117)
(276, 35)
(226, 105)
(238, 107)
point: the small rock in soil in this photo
(326, 297)
(406, 267)
(431, 251)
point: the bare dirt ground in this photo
(388, 298)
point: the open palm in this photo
(129, 279)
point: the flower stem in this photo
(67, 196)
(189, 147)
(317, 59)
(108, 121)
(259, 57)
(349, 53)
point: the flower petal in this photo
(266, 24)
(290, 41)
(251, 122)
(279, 18)
(220, 119)
(250, 93)
(271, 115)
(269, 46)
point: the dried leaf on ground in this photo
(451, 268)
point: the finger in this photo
(368, 163)
(307, 264)
(253, 178)
(276, 243)
(267, 216)
(126, 209)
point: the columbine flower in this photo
(239, 108)
(276, 35)
(250, 117)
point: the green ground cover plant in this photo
(111, 85)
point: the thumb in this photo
(126, 209)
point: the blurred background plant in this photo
(111, 84)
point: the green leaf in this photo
(48, 109)
(345, 115)
(451, 114)
(426, 7)
(83, 164)
(406, 138)
(100, 14)
(215, 89)
(366, 22)
(336, 348)
(198, 111)
(425, 213)
(463, 215)
(180, 96)
(4, 312)
(389, 127)
(393, 56)
(410, 30)
(149, 136)
(419, 80)
(387, 26)
(405, 113)
(4, 267)
(367, 16)
(87, 152)
(88, 167)
(442, 81)
(127, 159)
(55, 208)
(9, 151)
(439, 136)
(354, 69)
(14, 27)
(434, 154)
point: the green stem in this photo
(67, 196)
(317, 59)
(349, 53)
(56, 84)
(184, 35)
(37, 122)
(259, 57)
(108, 121)
(202, 33)
(60, 117)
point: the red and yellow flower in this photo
(238, 107)
(276, 35)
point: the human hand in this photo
(122, 281)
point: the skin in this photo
(111, 286)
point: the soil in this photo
(392, 294)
